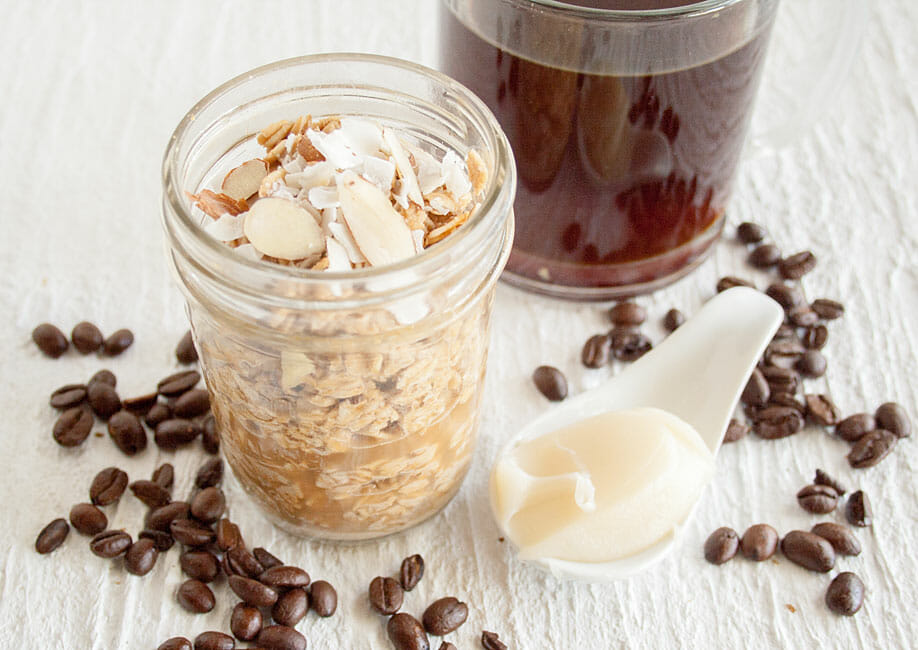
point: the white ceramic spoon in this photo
(697, 373)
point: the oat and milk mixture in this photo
(345, 423)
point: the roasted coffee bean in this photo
(141, 557)
(446, 645)
(808, 550)
(814, 338)
(161, 518)
(281, 637)
(406, 633)
(411, 572)
(871, 448)
(840, 537)
(208, 505)
(551, 382)
(68, 396)
(103, 376)
(214, 641)
(152, 494)
(88, 519)
(118, 342)
(893, 418)
(785, 295)
(775, 422)
(854, 427)
(127, 432)
(110, 543)
(164, 475)
(780, 353)
(802, 316)
(822, 410)
(735, 430)
(192, 403)
(750, 233)
(185, 351)
(141, 405)
(158, 413)
(818, 499)
(721, 545)
(210, 440)
(52, 536)
(161, 540)
(86, 337)
(177, 383)
(797, 265)
(828, 309)
(245, 622)
(759, 542)
(757, 391)
(108, 486)
(323, 598)
(195, 596)
(173, 433)
(175, 643)
(765, 256)
(200, 565)
(385, 595)
(242, 562)
(811, 364)
(788, 400)
(444, 615)
(595, 353)
(628, 345)
(858, 510)
(730, 281)
(822, 478)
(191, 533)
(291, 607)
(673, 320)
(490, 641)
(282, 577)
(266, 559)
(252, 591)
(845, 594)
(209, 474)
(50, 340)
(228, 535)
(627, 313)
(103, 399)
(781, 379)
(72, 427)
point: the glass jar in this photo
(347, 402)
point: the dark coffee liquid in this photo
(623, 179)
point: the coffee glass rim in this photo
(692, 10)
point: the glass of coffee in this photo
(627, 120)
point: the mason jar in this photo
(348, 402)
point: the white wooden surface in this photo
(91, 92)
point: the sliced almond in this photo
(282, 229)
(403, 165)
(216, 205)
(243, 181)
(379, 231)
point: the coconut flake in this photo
(338, 259)
(311, 176)
(294, 165)
(334, 147)
(324, 197)
(227, 227)
(456, 178)
(430, 171)
(248, 251)
(403, 165)
(418, 237)
(344, 237)
(362, 136)
(379, 172)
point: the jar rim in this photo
(568, 9)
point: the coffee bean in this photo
(108, 486)
(627, 313)
(50, 340)
(779, 353)
(854, 427)
(765, 256)
(759, 542)
(828, 309)
(811, 364)
(323, 598)
(787, 296)
(551, 382)
(266, 559)
(757, 391)
(185, 351)
(595, 353)
(444, 615)
(721, 545)
(808, 550)
(291, 607)
(242, 562)
(628, 345)
(750, 233)
(814, 338)
(103, 376)
(871, 448)
(385, 595)
(88, 519)
(446, 645)
(673, 320)
(788, 400)
(781, 379)
(200, 564)
(72, 427)
(209, 474)
(281, 637)
(177, 383)
(191, 533)
(127, 432)
(818, 499)
(52, 536)
(68, 396)
(160, 518)
(228, 535)
(252, 591)
(141, 557)
(103, 399)
(822, 478)
(175, 643)
(735, 430)
(164, 475)
(822, 410)
(845, 594)
(803, 316)
(214, 641)
(110, 543)
(208, 505)
(161, 540)
(195, 596)
(152, 494)
(840, 537)
(411, 572)
(192, 403)
(858, 510)
(158, 413)
(173, 433)
(893, 418)
(283, 577)
(118, 342)
(245, 622)
(797, 265)
(210, 439)
(775, 422)
(141, 405)
(86, 337)
(406, 633)
(490, 641)
(731, 281)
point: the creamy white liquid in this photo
(602, 489)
